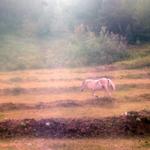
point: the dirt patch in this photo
(99, 102)
(130, 124)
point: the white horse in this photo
(98, 84)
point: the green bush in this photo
(141, 62)
(68, 51)
(104, 49)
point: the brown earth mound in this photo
(129, 124)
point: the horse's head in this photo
(81, 90)
(82, 86)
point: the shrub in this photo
(104, 49)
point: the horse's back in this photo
(91, 83)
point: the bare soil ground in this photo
(75, 144)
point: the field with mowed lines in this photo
(58, 87)
(45, 94)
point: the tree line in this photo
(42, 18)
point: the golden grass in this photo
(76, 112)
(71, 78)
(60, 78)
(66, 84)
(125, 100)
(69, 73)
(79, 96)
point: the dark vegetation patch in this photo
(43, 90)
(67, 103)
(131, 124)
(41, 80)
(16, 79)
(20, 80)
(131, 86)
(139, 98)
(13, 106)
(99, 102)
(135, 76)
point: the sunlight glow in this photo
(65, 2)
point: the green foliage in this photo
(47, 34)
(104, 49)
(138, 58)
(129, 18)
(136, 63)
(72, 51)
(18, 53)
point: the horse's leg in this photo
(107, 91)
(94, 93)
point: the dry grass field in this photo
(58, 86)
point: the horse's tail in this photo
(111, 84)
